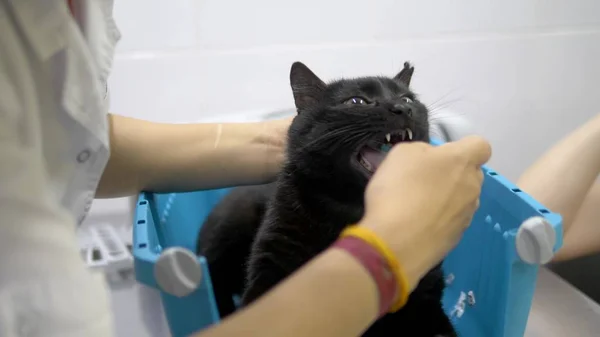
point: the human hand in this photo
(272, 141)
(422, 198)
(277, 130)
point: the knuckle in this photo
(477, 179)
(461, 158)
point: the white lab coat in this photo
(53, 149)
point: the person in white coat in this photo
(60, 148)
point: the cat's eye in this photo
(406, 99)
(356, 100)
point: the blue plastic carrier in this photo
(490, 287)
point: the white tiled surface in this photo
(560, 310)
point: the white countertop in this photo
(559, 310)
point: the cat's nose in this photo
(402, 108)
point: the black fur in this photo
(319, 192)
(226, 237)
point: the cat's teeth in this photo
(403, 134)
(409, 132)
(388, 137)
(366, 164)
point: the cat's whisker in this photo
(443, 118)
(441, 106)
(433, 103)
(438, 105)
(437, 101)
(350, 132)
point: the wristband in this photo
(371, 239)
(372, 261)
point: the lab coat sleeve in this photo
(45, 288)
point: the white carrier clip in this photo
(103, 248)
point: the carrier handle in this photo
(535, 241)
(177, 271)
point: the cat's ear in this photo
(306, 86)
(405, 75)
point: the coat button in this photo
(83, 156)
(88, 206)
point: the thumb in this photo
(475, 148)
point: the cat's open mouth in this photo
(370, 155)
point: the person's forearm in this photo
(332, 296)
(183, 157)
(562, 177)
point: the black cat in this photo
(335, 144)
